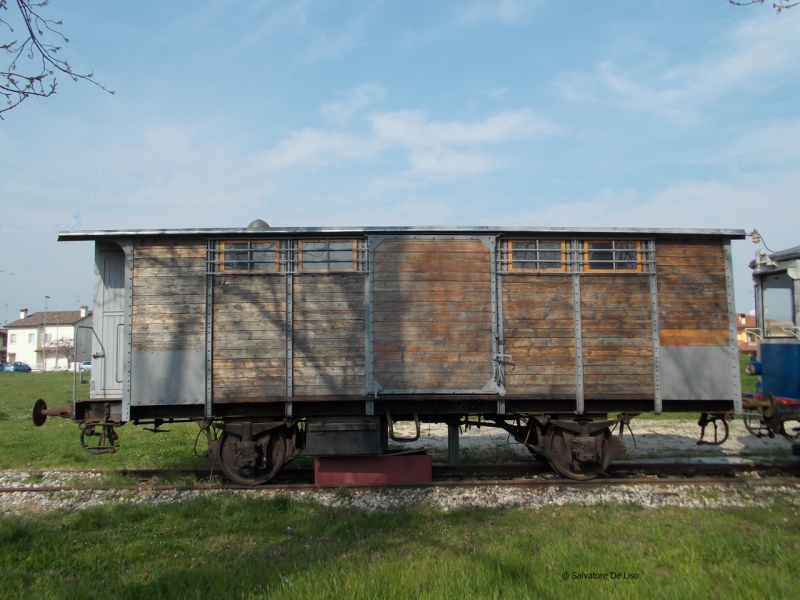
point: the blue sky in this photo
(672, 113)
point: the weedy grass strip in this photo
(249, 547)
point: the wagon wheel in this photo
(540, 458)
(715, 420)
(271, 463)
(754, 424)
(561, 460)
(106, 438)
(791, 431)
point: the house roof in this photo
(62, 317)
(749, 321)
(747, 347)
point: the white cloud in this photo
(314, 147)
(774, 144)
(324, 45)
(410, 128)
(446, 162)
(497, 93)
(759, 54)
(353, 101)
(444, 148)
(505, 11)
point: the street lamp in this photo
(57, 344)
(44, 337)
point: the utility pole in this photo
(56, 369)
(44, 337)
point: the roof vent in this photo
(258, 224)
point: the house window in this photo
(536, 255)
(612, 255)
(327, 255)
(12, 338)
(249, 256)
(31, 338)
(48, 337)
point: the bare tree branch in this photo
(66, 347)
(779, 6)
(37, 47)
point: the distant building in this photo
(51, 347)
(748, 342)
(3, 345)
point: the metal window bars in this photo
(301, 256)
(534, 255)
(526, 256)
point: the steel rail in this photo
(516, 483)
(487, 472)
(513, 475)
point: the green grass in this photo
(748, 381)
(230, 547)
(55, 444)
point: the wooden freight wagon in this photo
(286, 339)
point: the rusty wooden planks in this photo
(249, 328)
(616, 315)
(539, 333)
(168, 295)
(329, 355)
(432, 319)
(692, 294)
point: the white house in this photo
(50, 345)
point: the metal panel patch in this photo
(167, 377)
(696, 373)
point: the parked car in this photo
(86, 366)
(17, 367)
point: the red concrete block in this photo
(373, 470)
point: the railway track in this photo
(514, 475)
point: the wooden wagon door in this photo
(433, 315)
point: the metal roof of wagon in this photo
(341, 231)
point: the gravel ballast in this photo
(441, 498)
(666, 438)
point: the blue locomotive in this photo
(777, 294)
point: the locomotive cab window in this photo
(536, 255)
(778, 302)
(607, 256)
(328, 255)
(249, 256)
